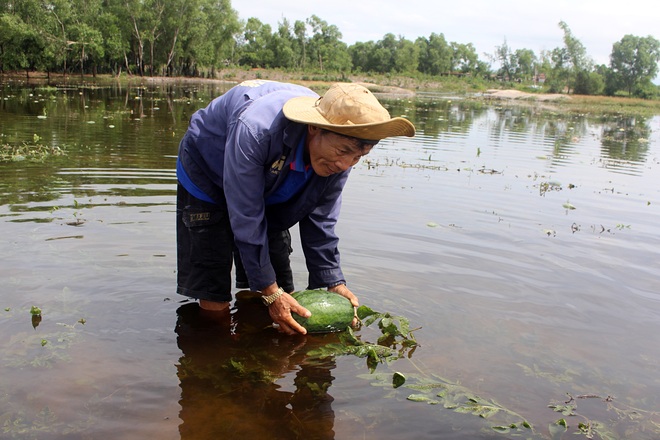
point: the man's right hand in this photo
(282, 309)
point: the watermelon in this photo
(331, 312)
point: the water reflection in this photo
(626, 140)
(623, 141)
(231, 371)
(437, 117)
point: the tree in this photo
(22, 46)
(525, 63)
(360, 55)
(300, 31)
(88, 43)
(222, 25)
(383, 57)
(282, 46)
(12, 33)
(574, 57)
(135, 12)
(558, 60)
(464, 58)
(406, 57)
(504, 56)
(255, 51)
(589, 83)
(175, 20)
(634, 62)
(114, 42)
(435, 54)
(328, 50)
(153, 24)
(205, 35)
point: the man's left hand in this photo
(344, 291)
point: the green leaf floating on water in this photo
(436, 390)
(398, 379)
(422, 398)
(36, 317)
(396, 339)
(558, 428)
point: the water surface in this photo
(522, 242)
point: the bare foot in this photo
(213, 306)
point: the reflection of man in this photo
(256, 161)
(228, 373)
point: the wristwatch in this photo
(268, 300)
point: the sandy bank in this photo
(517, 94)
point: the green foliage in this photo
(396, 340)
(634, 63)
(436, 390)
(646, 90)
(200, 37)
(589, 83)
(637, 420)
(435, 54)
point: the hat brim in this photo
(303, 109)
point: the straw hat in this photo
(348, 109)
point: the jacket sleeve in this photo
(319, 240)
(244, 183)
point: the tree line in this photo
(200, 37)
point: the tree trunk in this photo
(82, 61)
(170, 55)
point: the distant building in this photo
(539, 79)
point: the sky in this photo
(597, 24)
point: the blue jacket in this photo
(241, 145)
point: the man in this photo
(256, 161)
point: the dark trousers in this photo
(206, 251)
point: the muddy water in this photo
(522, 243)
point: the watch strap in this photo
(270, 299)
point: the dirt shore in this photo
(233, 76)
(404, 88)
(517, 94)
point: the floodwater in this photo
(522, 245)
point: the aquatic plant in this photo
(395, 341)
(36, 317)
(25, 151)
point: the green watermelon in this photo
(331, 312)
